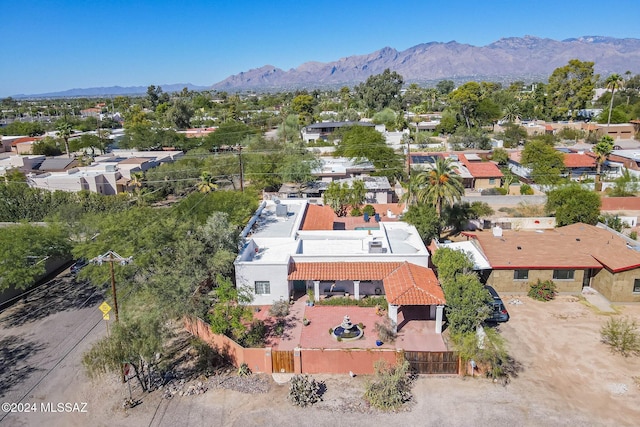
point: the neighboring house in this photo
(378, 189)
(198, 132)
(24, 145)
(332, 168)
(475, 173)
(24, 164)
(573, 256)
(291, 246)
(615, 131)
(322, 130)
(108, 174)
(580, 165)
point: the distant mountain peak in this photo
(528, 58)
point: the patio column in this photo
(393, 315)
(316, 290)
(356, 289)
(439, 311)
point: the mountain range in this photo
(525, 58)
(516, 58)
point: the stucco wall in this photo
(502, 281)
(617, 287)
(276, 274)
(482, 183)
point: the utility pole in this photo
(241, 168)
(409, 166)
(112, 257)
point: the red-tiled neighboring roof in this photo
(25, 139)
(548, 127)
(620, 203)
(341, 270)
(412, 284)
(577, 160)
(481, 169)
(404, 283)
(318, 218)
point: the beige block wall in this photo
(617, 287)
(502, 281)
(484, 183)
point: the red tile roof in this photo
(404, 283)
(25, 139)
(576, 160)
(318, 218)
(481, 169)
(412, 284)
(620, 203)
(341, 270)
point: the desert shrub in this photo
(208, 359)
(633, 235)
(355, 212)
(254, 337)
(622, 335)
(488, 350)
(391, 386)
(278, 328)
(244, 370)
(543, 291)
(385, 331)
(370, 210)
(526, 190)
(305, 390)
(279, 309)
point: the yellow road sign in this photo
(105, 316)
(105, 308)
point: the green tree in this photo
(450, 263)
(572, 203)
(613, 82)
(467, 303)
(337, 197)
(24, 250)
(228, 134)
(445, 87)
(570, 88)
(46, 147)
(466, 98)
(180, 113)
(133, 340)
(439, 185)
(206, 183)
(602, 149)
(230, 312)
(303, 104)
(512, 135)
(381, 90)
(500, 156)
(425, 218)
(385, 117)
(64, 132)
(545, 162)
(363, 142)
(459, 214)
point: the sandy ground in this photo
(568, 378)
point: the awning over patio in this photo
(404, 283)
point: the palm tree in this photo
(206, 184)
(613, 82)
(64, 132)
(511, 113)
(439, 184)
(602, 149)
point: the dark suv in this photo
(78, 265)
(498, 311)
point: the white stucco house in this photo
(290, 246)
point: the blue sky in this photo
(57, 45)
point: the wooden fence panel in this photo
(282, 361)
(433, 362)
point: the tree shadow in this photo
(15, 352)
(65, 294)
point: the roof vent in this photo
(497, 231)
(519, 248)
(375, 247)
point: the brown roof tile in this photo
(341, 270)
(318, 218)
(577, 160)
(573, 246)
(481, 169)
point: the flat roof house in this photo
(291, 246)
(573, 256)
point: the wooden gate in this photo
(282, 361)
(432, 362)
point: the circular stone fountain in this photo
(347, 331)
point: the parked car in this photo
(78, 265)
(499, 312)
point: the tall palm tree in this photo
(206, 184)
(602, 149)
(64, 132)
(439, 185)
(613, 82)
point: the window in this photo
(492, 181)
(636, 286)
(520, 274)
(563, 274)
(263, 288)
